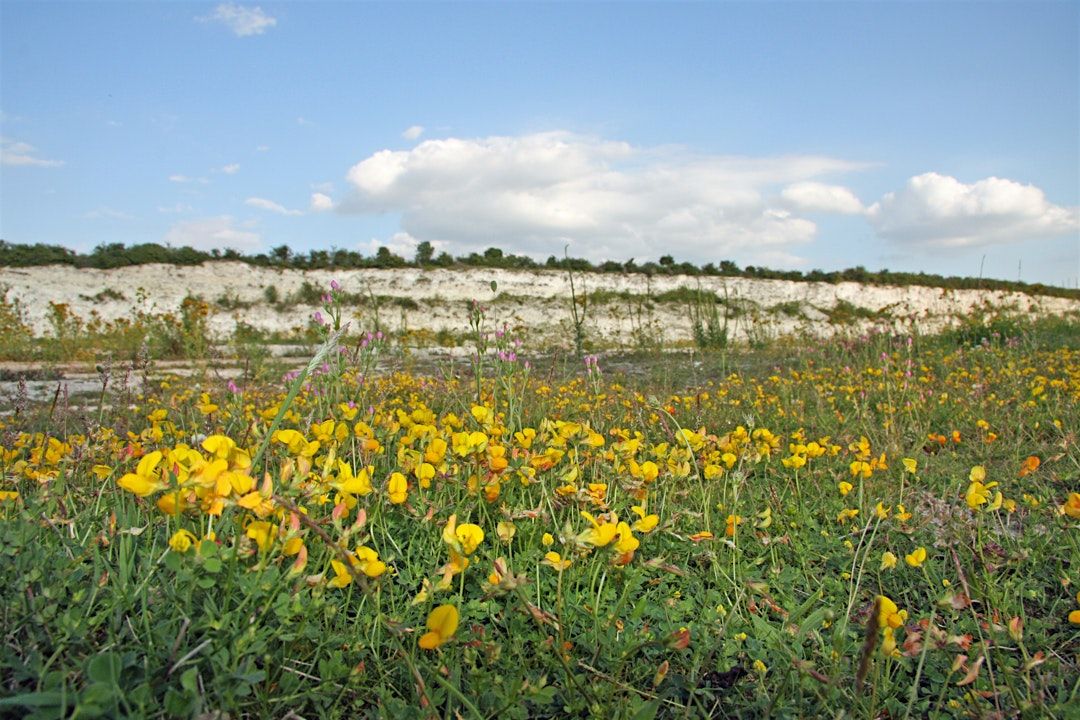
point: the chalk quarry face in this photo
(629, 305)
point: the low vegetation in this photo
(884, 526)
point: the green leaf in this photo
(189, 680)
(104, 668)
(256, 676)
(647, 711)
(49, 698)
(212, 565)
(94, 700)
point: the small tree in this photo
(425, 251)
(282, 254)
(493, 257)
(386, 259)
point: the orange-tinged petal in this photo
(430, 640)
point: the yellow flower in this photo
(469, 536)
(342, 576)
(978, 494)
(977, 474)
(297, 444)
(349, 482)
(845, 487)
(861, 468)
(292, 546)
(600, 534)
(442, 623)
(890, 617)
(733, 521)
(626, 543)
(553, 559)
(910, 465)
(424, 473)
(847, 514)
(646, 522)
(1072, 506)
(881, 511)
(916, 558)
(370, 564)
(760, 667)
(144, 481)
(888, 560)
(182, 540)
(1074, 617)
(397, 488)
(505, 530)
(436, 451)
(6, 495)
(888, 643)
(263, 533)
(547, 540)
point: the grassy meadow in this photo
(875, 526)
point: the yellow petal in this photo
(443, 621)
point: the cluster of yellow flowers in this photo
(595, 462)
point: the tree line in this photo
(115, 255)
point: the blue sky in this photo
(942, 137)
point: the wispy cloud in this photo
(213, 232)
(184, 179)
(231, 168)
(107, 213)
(413, 132)
(244, 21)
(264, 204)
(16, 154)
(321, 202)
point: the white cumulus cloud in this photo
(413, 132)
(400, 243)
(811, 196)
(321, 202)
(264, 204)
(243, 21)
(213, 232)
(15, 153)
(536, 193)
(939, 210)
(231, 168)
